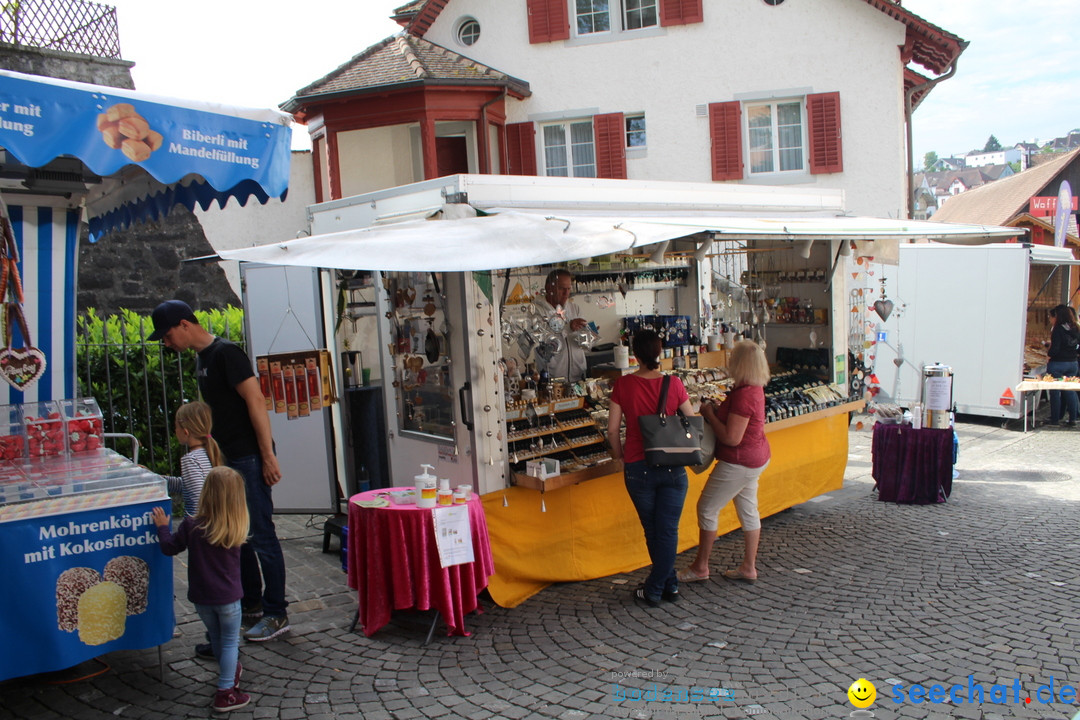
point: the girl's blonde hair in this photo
(747, 364)
(198, 419)
(223, 508)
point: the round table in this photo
(394, 562)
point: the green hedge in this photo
(140, 384)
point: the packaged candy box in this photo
(83, 424)
(12, 433)
(45, 433)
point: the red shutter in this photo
(725, 130)
(610, 133)
(680, 12)
(826, 140)
(521, 148)
(548, 20)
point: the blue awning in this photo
(218, 151)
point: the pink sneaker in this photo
(231, 699)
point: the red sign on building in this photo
(1046, 206)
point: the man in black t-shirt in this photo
(242, 428)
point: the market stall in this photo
(462, 260)
(85, 575)
(82, 567)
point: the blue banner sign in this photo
(82, 584)
(109, 129)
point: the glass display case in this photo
(64, 483)
(421, 358)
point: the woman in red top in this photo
(658, 493)
(742, 452)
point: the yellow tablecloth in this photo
(590, 530)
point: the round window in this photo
(468, 32)
(773, 2)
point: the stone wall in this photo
(67, 66)
(139, 267)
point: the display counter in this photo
(81, 560)
(590, 529)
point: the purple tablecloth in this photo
(912, 466)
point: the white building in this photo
(749, 91)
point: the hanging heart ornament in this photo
(883, 308)
(22, 366)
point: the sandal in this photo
(688, 575)
(736, 574)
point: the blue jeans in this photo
(223, 626)
(658, 494)
(261, 559)
(1060, 369)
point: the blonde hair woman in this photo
(214, 537)
(742, 453)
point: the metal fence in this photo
(74, 26)
(139, 385)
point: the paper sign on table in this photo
(453, 535)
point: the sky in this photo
(1018, 79)
(240, 52)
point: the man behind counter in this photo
(569, 361)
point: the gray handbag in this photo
(671, 441)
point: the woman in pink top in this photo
(742, 452)
(658, 493)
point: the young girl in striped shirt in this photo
(193, 424)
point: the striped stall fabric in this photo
(48, 242)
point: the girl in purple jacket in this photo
(213, 538)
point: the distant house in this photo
(997, 157)
(1067, 143)
(754, 92)
(926, 200)
(953, 182)
(1008, 201)
(1027, 151)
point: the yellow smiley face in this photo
(862, 693)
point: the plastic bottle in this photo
(446, 495)
(425, 488)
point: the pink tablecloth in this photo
(394, 563)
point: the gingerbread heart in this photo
(21, 367)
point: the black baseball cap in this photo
(168, 315)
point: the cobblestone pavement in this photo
(981, 591)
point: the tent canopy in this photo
(143, 153)
(512, 238)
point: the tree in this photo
(930, 160)
(992, 144)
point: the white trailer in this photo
(982, 310)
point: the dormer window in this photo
(468, 31)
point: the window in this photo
(635, 131)
(569, 150)
(639, 14)
(793, 137)
(468, 31)
(775, 137)
(592, 16)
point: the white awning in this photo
(512, 238)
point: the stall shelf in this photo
(83, 571)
